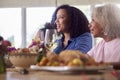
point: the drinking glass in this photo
(41, 35)
(50, 37)
(42, 51)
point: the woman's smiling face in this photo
(95, 27)
(61, 20)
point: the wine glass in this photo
(50, 37)
(41, 35)
(41, 51)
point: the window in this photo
(10, 25)
(36, 18)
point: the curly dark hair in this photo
(77, 21)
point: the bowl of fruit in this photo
(23, 58)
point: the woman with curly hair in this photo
(73, 25)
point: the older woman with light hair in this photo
(106, 24)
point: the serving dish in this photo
(70, 69)
(23, 60)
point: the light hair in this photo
(108, 17)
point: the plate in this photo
(69, 69)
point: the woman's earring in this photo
(105, 33)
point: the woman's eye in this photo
(60, 17)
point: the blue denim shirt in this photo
(82, 43)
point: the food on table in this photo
(75, 62)
(22, 50)
(69, 55)
(22, 58)
(68, 58)
(51, 56)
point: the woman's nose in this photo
(56, 21)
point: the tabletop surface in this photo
(13, 74)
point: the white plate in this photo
(68, 68)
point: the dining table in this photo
(14, 74)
